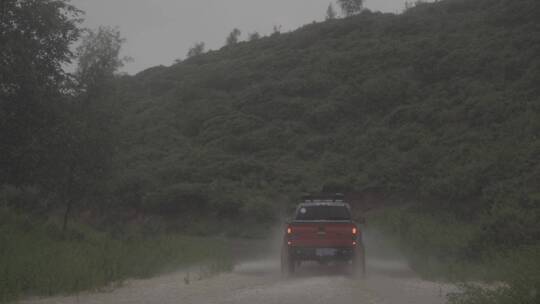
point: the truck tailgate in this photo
(322, 234)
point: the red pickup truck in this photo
(322, 231)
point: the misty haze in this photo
(249, 151)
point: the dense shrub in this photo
(437, 102)
(37, 258)
(519, 272)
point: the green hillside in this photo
(440, 103)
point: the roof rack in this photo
(324, 197)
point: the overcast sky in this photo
(160, 31)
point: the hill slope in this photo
(441, 103)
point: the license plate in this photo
(322, 252)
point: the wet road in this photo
(259, 281)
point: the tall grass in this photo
(520, 271)
(39, 259)
(433, 244)
(439, 247)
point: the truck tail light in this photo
(289, 230)
(354, 230)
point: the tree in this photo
(276, 30)
(233, 37)
(35, 40)
(351, 7)
(254, 36)
(88, 124)
(412, 4)
(99, 58)
(331, 12)
(196, 50)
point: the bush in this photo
(521, 281)
(444, 247)
(177, 200)
(42, 261)
(506, 227)
(435, 245)
(26, 198)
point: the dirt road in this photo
(260, 282)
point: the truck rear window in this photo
(323, 213)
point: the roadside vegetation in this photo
(37, 258)
(440, 246)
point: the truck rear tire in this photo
(287, 262)
(359, 262)
(292, 266)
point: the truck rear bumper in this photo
(322, 254)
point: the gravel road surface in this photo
(260, 282)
